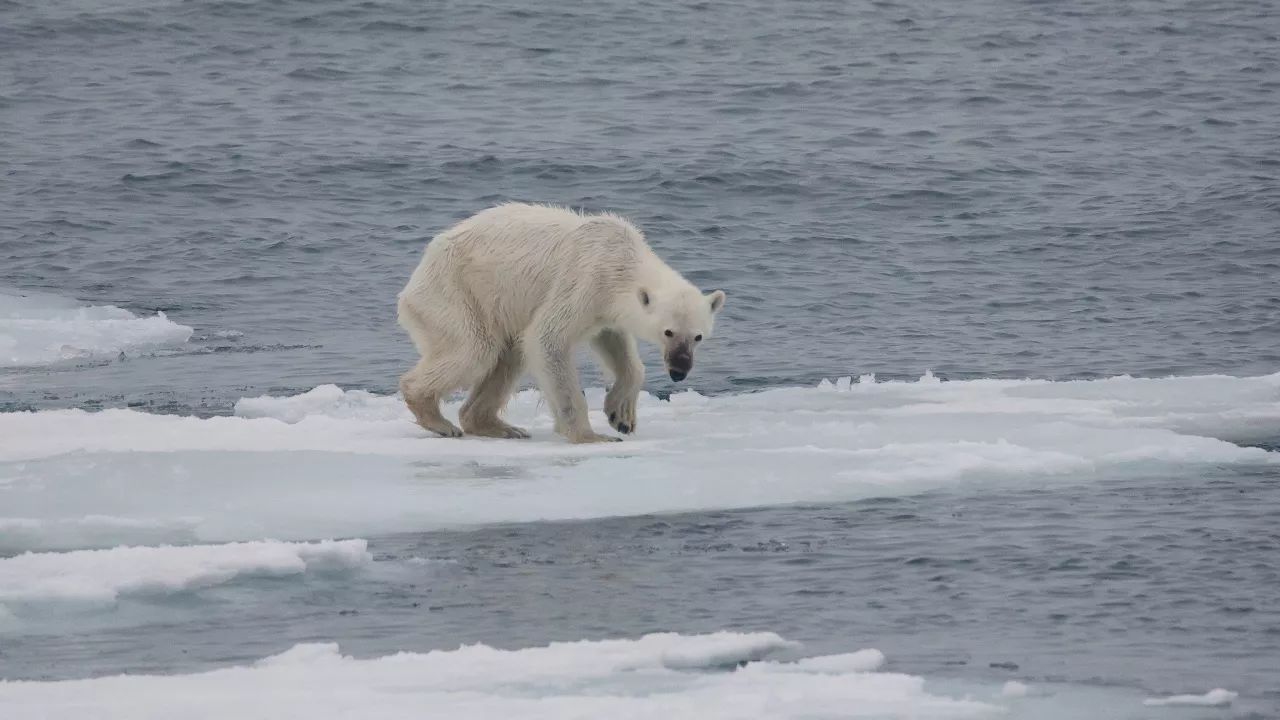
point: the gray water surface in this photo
(989, 188)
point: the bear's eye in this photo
(697, 338)
(668, 333)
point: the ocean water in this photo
(1038, 240)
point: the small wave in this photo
(368, 165)
(481, 163)
(142, 178)
(391, 26)
(319, 73)
(785, 89)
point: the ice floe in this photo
(662, 675)
(101, 576)
(334, 463)
(38, 329)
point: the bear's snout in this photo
(679, 364)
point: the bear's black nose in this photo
(677, 375)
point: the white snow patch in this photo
(1217, 697)
(37, 329)
(345, 463)
(101, 576)
(617, 679)
(326, 400)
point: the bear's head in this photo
(677, 320)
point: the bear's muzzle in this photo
(679, 363)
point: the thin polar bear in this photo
(521, 286)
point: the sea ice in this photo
(100, 576)
(1216, 697)
(334, 463)
(1013, 688)
(618, 679)
(38, 329)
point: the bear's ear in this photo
(717, 300)
(644, 297)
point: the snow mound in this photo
(101, 576)
(327, 400)
(41, 330)
(618, 679)
(1214, 698)
(332, 463)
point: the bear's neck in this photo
(658, 277)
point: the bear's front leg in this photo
(551, 361)
(618, 353)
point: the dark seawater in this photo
(984, 189)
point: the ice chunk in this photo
(1013, 688)
(860, 661)
(38, 329)
(717, 650)
(100, 576)
(618, 679)
(1216, 697)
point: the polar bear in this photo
(522, 285)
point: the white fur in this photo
(519, 286)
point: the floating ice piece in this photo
(40, 329)
(617, 679)
(718, 649)
(330, 463)
(100, 576)
(1013, 689)
(860, 661)
(1216, 697)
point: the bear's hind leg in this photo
(434, 377)
(479, 413)
(424, 401)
